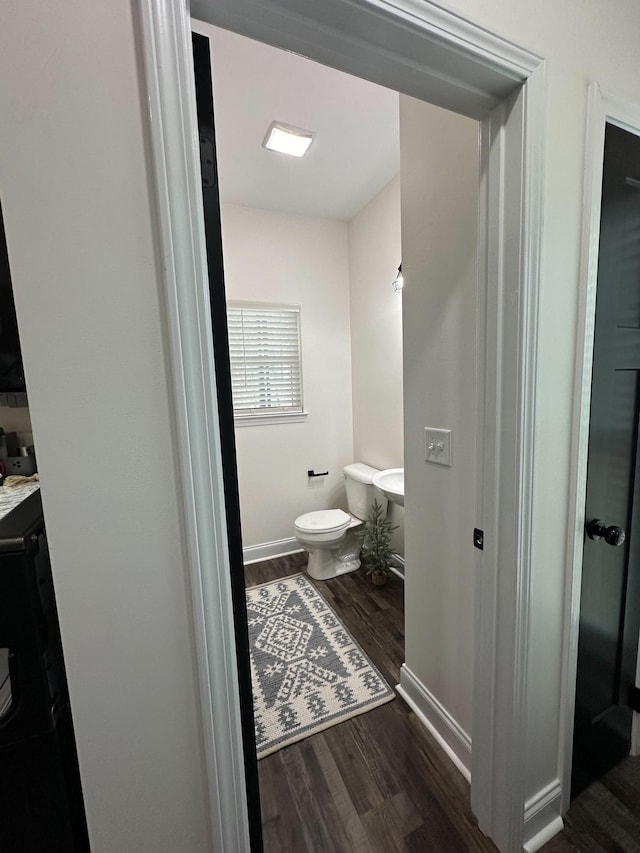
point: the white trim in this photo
(602, 108)
(165, 36)
(398, 566)
(452, 737)
(454, 64)
(271, 419)
(420, 49)
(542, 819)
(512, 150)
(270, 550)
(546, 834)
(397, 572)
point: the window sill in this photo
(273, 418)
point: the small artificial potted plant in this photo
(376, 551)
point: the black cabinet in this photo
(41, 806)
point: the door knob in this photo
(612, 535)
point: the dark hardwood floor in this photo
(605, 817)
(377, 782)
(380, 783)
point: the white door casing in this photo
(165, 47)
(507, 323)
(421, 50)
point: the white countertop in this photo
(11, 497)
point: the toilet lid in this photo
(323, 521)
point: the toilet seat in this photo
(326, 534)
(323, 521)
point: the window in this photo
(266, 368)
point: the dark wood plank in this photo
(426, 774)
(603, 818)
(358, 775)
(378, 781)
(312, 799)
(344, 809)
(606, 816)
(270, 570)
(280, 832)
(390, 822)
(624, 783)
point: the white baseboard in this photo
(451, 737)
(397, 566)
(397, 572)
(269, 550)
(542, 818)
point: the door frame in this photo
(603, 108)
(419, 49)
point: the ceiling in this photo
(355, 151)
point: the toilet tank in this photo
(361, 493)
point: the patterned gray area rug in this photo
(308, 672)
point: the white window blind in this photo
(265, 354)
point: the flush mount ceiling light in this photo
(287, 139)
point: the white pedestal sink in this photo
(391, 483)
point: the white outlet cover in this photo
(437, 447)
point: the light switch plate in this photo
(437, 446)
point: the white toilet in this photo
(330, 535)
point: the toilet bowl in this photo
(330, 536)
(324, 534)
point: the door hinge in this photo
(478, 539)
(634, 697)
(207, 162)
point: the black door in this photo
(610, 602)
(206, 129)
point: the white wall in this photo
(376, 330)
(351, 317)
(440, 179)
(281, 258)
(75, 197)
(376, 338)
